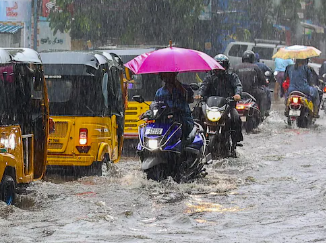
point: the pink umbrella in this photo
(172, 59)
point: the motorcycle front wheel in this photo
(157, 172)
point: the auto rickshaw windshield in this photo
(77, 96)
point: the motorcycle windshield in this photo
(216, 101)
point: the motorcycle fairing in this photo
(169, 139)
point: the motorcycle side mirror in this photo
(268, 73)
(138, 98)
(194, 86)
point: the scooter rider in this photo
(177, 96)
(252, 79)
(224, 83)
(304, 79)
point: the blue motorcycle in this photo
(164, 152)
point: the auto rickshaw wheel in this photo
(8, 190)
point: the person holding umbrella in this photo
(302, 78)
(177, 96)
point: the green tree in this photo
(132, 22)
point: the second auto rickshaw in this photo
(87, 105)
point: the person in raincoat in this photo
(177, 96)
(264, 69)
(280, 66)
(253, 80)
(303, 78)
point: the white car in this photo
(234, 51)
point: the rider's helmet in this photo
(223, 60)
(248, 56)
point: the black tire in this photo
(157, 172)
(305, 119)
(249, 125)
(189, 170)
(224, 144)
(8, 190)
(212, 146)
(289, 121)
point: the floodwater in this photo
(275, 191)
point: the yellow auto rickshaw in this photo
(87, 106)
(24, 120)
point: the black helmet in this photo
(248, 56)
(223, 60)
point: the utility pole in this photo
(35, 25)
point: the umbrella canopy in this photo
(297, 52)
(172, 59)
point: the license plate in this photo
(324, 96)
(294, 113)
(154, 131)
(243, 118)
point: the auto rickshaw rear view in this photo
(86, 103)
(24, 120)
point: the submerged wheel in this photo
(289, 121)
(224, 144)
(212, 146)
(157, 172)
(189, 170)
(7, 189)
(304, 120)
(249, 125)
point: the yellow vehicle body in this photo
(64, 142)
(12, 155)
(132, 121)
(86, 94)
(24, 126)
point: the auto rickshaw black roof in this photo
(25, 55)
(70, 63)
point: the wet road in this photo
(274, 192)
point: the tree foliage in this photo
(132, 22)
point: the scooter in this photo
(299, 109)
(249, 112)
(162, 149)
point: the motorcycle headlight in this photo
(213, 115)
(153, 144)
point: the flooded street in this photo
(275, 191)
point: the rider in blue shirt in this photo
(178, 96)
(303, 78)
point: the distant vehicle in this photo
(265, 48)
(24, 120)
(87, 105)
(234, 51)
